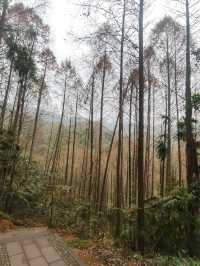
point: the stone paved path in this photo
(35, 247)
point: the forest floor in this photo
(90, 252)
(72, 250)
(35, 247)
(101, 253)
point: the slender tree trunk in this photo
(68, 151)
(107, 164)
(5, 101)
(153, 147)
(58, 138)
(91, 136)
(134, 186)
(162, 180)
(85, 173)
(48, 150)
(140, 215)
(3, 19)
(126, 192)
(168, 164)
(83, 177)
(17, 112)
(74, 144)
(192, 173)
(191, 154)
(24, 95)
(135, 151)
(101, 127)
(177, 119)
(148, 137)
(37, 115)
(21, 111)
(129, 149)
(84, 155)
(13, 107)
(58, 168)
(108, 158)
(119, 181)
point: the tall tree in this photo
(119, 177)
(192, 170)
(4, 8)
(102, 65)
(74, 141)
(66, 175)
(191, 154)
(140, 214)
(91, 135)
(48, 61)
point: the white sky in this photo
(67, 17)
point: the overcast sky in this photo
(67, 17)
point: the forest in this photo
(105, 147)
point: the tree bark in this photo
(37, 116)
(74, 143)
(168, 163)
(68, 150)
(192, 171)
(91, 136)
(130, 173)
(177, 119)
(5, 101)
(153, 147)
(148, 136)
(140, 215)
(3, 19)
(58, 138)
(191, 154)
(119, 178)
(101, 128)
(48, 150)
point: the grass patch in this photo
(5, 216)
(176, 261)
(79, 243)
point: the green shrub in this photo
(79, 243)
(175, 261)
(167, 223)
(5, 216)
